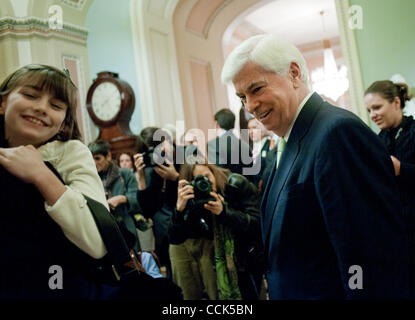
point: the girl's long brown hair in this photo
(54, 81)
(220, 174)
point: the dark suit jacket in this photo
(332, 204)
(262, 162)
(269, 166)
(227, 151)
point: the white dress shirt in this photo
(300, 107)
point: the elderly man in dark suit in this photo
(331, 219)
(226, 150)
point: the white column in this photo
(156, 62)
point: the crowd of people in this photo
(313, 205)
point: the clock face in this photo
(106, 101)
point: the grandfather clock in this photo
(110, 103)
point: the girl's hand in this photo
(167, 172)
(24, 162)
(216, 207)
(184, 193)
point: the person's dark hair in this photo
(147, 136)
(53, 81)
(220, 174)
(225, 119)
(140, 145)
(99, 147)
(389, 90)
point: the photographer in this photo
(214, 234)
(157, 186)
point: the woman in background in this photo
(215, 244)
(144, 226)
(384, 101)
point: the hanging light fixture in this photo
(329, 81)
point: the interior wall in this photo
(386, 44)
(199, 27)
(110, 47)
(27, 38)
(156, 62)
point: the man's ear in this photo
(109, 156)
(295, 73)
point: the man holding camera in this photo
(157, 186)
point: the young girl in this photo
(47, 233)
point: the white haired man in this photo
(331, 222)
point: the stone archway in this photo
(200, 27)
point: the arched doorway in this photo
(201, 27)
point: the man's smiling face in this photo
(271, 98)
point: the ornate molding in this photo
(77, 4)
(35, 26)
(204, 34)
(213, 17)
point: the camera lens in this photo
(203, 186)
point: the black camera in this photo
(196, 214)
(152, 158)
(202, 187)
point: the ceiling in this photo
(298, 21)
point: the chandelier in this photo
(328, 80)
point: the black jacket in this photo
(31, 243)
(332, 204)
(400, 143)
(229, 152)
(157, 202)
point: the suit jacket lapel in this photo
(280, 176)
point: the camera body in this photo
(152, 159)
(202, 187)
(196, 212)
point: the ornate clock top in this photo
(110, 103)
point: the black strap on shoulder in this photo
(114, 241)
(117, 248)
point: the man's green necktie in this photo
(281, 147)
